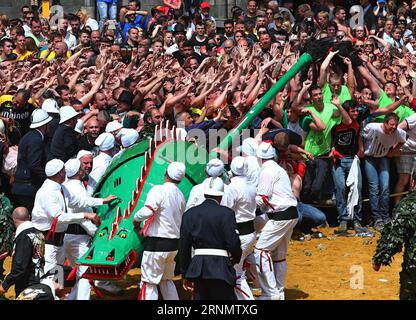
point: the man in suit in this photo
(64, 144)
(31, 161)
(211, 229)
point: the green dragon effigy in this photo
(118, 243)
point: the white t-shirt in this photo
(377, 143)
(410, 144)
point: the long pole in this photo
(304, 61)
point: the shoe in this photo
(343, 226)
(109, 287)
(342, 229)
(297, 235)
(379, 225)
(357, 226)
(317, 235)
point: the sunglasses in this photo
(369, 45)
(359, 46)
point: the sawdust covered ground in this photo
(339, 268)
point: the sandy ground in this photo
(332, 268)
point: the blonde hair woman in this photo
(86, 20)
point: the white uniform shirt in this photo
(168, 204)
(241, 197)
(49, 202)
(100, 164)
(274, 183)
(79, 200)
(377, 143)
(196, 196)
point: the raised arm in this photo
(324, 68)
(341, 111)
(372, 83)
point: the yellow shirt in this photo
(23, 56)
(9, 98)
(51, 55)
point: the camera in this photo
(111, 24)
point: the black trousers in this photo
(213, 289)
(317, 175)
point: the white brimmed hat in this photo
(214, 187)
(39, 118)
(266, 151)
(50, 106)
(249, 146)
(66, 113)
(113, 126)
(239, 166)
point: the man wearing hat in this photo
(52, 108)
(211, 230)
(276, 199)
(179, 35)
(31, 160)
(50, 213)
(205, 15)
(241, 197)
(249, 151)
(124, 105)
(64, 144)
(105, 143)
(78, 236)
(163, 210)
(86, 159)
(214, 169)
(276, 30)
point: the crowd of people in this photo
(75, 93)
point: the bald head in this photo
(20, 215)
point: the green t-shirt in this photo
(402, 111)
(319, 143)
(344, 94)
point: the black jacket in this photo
(52, 126)
(209, 226)
(31, 161)
(28, 260)
(64, 144)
